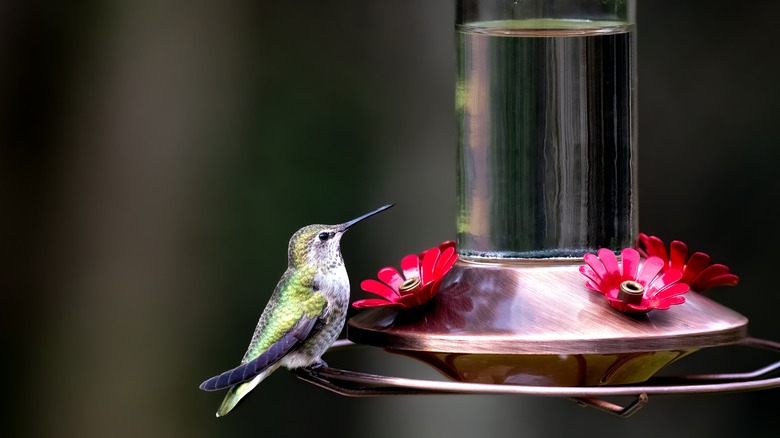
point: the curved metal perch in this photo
(358, 384)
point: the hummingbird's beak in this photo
(346, 225)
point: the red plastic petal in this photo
(596, 266)
(710, 272)
(656, 247)
(678, 254)
(374, 302)
(720, 280)
(428, 262)
(713, 275)
(630, 259)
(627, 308)
(391, 277)
(593, 287)
(381, 289)
(430, 291)
(609, 260)
(695, 264)
(410, 300)
(410, 265)
(445, 262)
(641, 243)
(677, 299)
(673, 290)
(665, 304)
(664, 280)
(452, 259)
(650, 269)
(588, 272)
(446, 244)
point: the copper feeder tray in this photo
(536, 323)
(532, 327)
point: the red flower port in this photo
(696, 270)
(419, 281)
(633, 286)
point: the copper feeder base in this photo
(535, 323)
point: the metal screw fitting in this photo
(409, 284)
(631, 292)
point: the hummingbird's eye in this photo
(324, 236)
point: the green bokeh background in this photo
(156, 156)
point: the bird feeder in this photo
(550, 289)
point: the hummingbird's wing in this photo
(247, 371)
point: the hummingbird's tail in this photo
(236, 393)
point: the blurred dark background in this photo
(156, 156)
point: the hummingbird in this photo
(303, 317)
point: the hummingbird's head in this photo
(321, 243)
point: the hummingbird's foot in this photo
(316, 366)
(320, 364)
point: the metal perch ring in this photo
(358, 384)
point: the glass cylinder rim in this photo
(616, 11)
